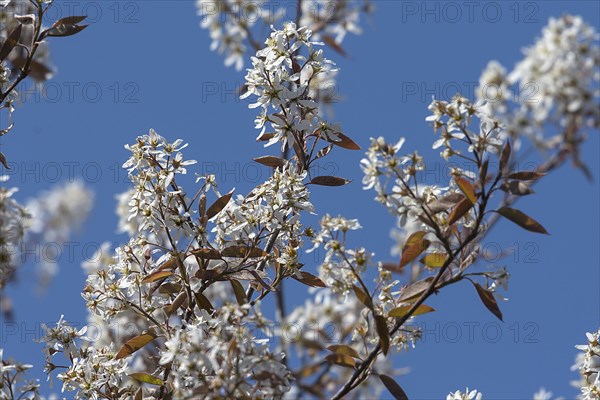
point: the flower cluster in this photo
(280, 77)
(563, 66)
(156, 198)
(94, 373)
(341, 267)
(466, 395)
(231, 22)
(13, 380)
(218, 357)
(272, 206)
(588, 365)
(324, 321)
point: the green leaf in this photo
(134, 344)
(435, 260)
(382, 331)
(344, 350)
(393, 387)
(401, 311)
(147, 378)
(218, 205)
(521, 219)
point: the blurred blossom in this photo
(55, 215)
(556, 84)
(13, 224)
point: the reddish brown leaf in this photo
(526, 175)
(363, 297)
(341, 359)
(157, 275)
(344, 350)
(264, 137)
(459, 210)
(203, 302)
(488, 300)
(345, 142)
(414, 289)
(414, 246)
(169, 264)
(64, 30)
(11, 41)
(271, 161)
(170, 309)
(445, 203)
(521, 219)
(134, 344)
(329, 181)
(467, 188)
(206, 254)
(517, 188)
(384, 334)
(218, 205)
(504, 157)
(393, 387)
(72, 20)
(323, 152)
(309, 279)
(243, 252)
(334, 45)
(239, 292)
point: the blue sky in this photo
(147, 64)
